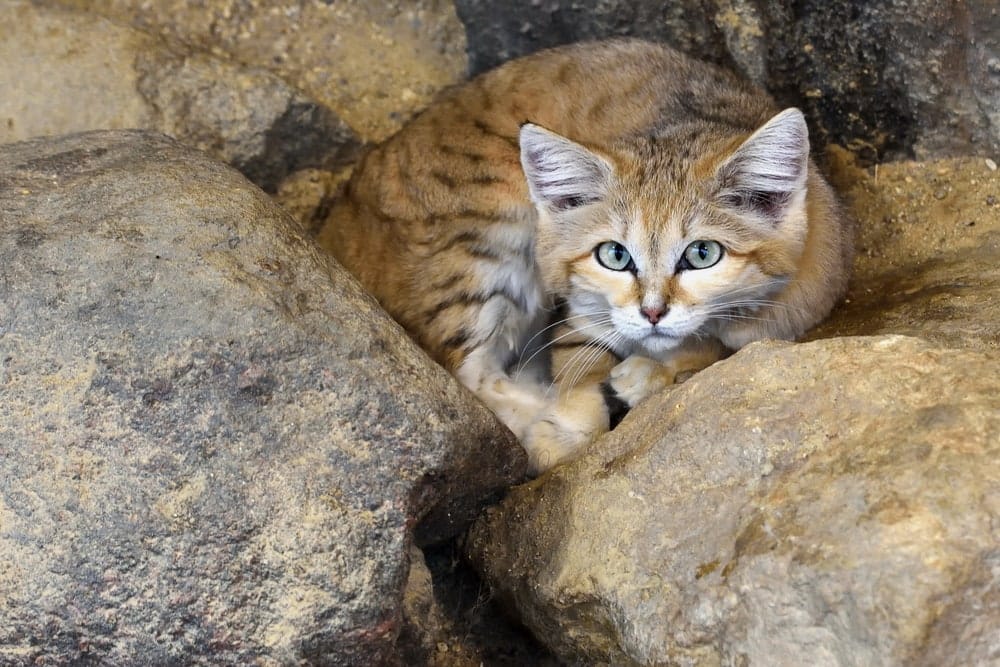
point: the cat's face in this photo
(650, 245)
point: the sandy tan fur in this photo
(439, 224)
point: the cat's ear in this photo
(767, 174)
(561, 173)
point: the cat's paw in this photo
(563, 431)
(637, 378)
(547, 445)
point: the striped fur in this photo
(481, 217)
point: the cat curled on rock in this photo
(569, 232)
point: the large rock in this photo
(216, 448)
(928, 260)
(827, 503)
(885, 78)
(373, 63)
(63, 71)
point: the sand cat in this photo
(615, 205)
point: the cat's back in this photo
(462, 152)
(448, 188)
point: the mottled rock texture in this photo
(928, 261)
(216, 448)
(63, 70)
(372, 63)
(908, 78)
(827, 503)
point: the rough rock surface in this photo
(928, 261)
(373, 63)
(908, 78)
(827, 503)
(63, 70)
(216, 448)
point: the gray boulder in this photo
(216, 448)
(64, 70)
(887, 79)
(827, 503)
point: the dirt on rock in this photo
(927, 247)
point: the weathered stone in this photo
(216, 448)
(928, 260)
(63, 71)
(915, 77)
(826, 503)
(373, 63)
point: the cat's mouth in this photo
(659, 332)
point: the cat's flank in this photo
(631, 211)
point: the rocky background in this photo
(215, 449)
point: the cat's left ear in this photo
(767, 174)
(561, 173)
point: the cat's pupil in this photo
(702, 250)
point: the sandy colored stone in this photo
(64, 70)
(373, 63)
(216, 448)
(827, 503)
(928, 252)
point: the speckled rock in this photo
(373, 63)
(63, 70)
(216, 448)
(825, 503)
(888, 79)
(928, 260)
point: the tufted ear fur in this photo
(767, 174)
(561, 173)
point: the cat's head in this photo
(658, 238)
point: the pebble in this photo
(991, 165)
(940, 194)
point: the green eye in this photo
(701, 255)
(614, 256)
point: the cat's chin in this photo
(658, 343)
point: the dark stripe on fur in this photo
(617, 408)
(444, 179)
(486, 129)
(467, 299)
(457, 341)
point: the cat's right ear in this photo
(561, 173)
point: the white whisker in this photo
(599, 323)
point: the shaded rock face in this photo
(828, 503)
(64, 71)
(913, 78)
(374, 64)
(216, 448)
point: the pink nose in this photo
(653, 314)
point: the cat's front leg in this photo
(576, 412)
(638, 377)
(516, 403)
(562, 431)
